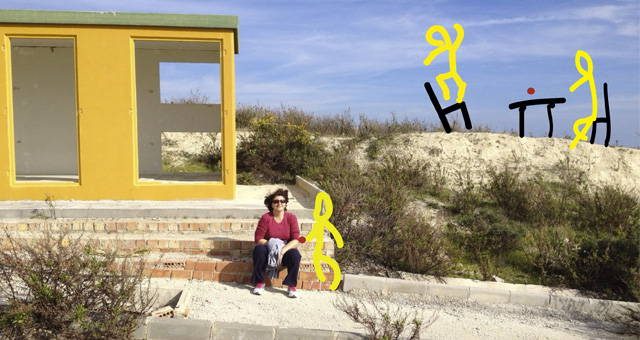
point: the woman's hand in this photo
(281, 255)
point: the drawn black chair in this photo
(606, 119)
(462, 106)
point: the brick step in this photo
(238, 245)
(224, 269)
(142, 225)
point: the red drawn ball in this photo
(531, 90)
(302, 239)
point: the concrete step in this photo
(247, 204)
(225, 269)
(111, 225)
(226, 244)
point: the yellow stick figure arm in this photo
(433, 54)
(441, 45)
(316, 232)
(336, 235)
(578, 83)
(459, 35)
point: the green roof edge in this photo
(122, 19)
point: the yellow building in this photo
(83, 112)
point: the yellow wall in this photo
(107, 143)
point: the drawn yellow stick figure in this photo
(445, 45)
(586, 76)
(321, 221)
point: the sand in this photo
(473, 153)
(230, 302)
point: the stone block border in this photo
(188, 329)
(489, 292)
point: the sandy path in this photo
(456, 319)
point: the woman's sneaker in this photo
(259, 289)
(292, 292)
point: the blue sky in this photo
(328, 57)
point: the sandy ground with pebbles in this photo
(454, 319)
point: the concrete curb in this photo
(469, 290)
(311, 189)
(191, 329)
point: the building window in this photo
(178, 93)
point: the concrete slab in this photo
(232, 330)
(247, 204)
(489, 295)
(303, 334)
(459, 292)
(529, 299)
(570, 304)
(349, 336)
(408, 287)
(184, 329)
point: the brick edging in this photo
(233, 271)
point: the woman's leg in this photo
(260, 254)
(291, 260)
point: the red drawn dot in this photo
(531, 90)
(302, 239)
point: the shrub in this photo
(279, 152)
(485, 236)
(552, 252)
(371, 214)
(374, 147)
(341, 177)
(397, 237)
(466, 196)
(415, 246)
(607, 210)
(608, 267)
(509, 193)
(337, 125)
(246, 114)
(374, 312)
(210, 155)
(56, 286)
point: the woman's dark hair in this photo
(269, 198)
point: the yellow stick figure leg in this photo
(321, 221)
(462, 87)
(443, 85)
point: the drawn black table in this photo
(522, 106)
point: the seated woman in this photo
(277, 224)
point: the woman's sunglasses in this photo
(278, 201)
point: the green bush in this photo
(466, 196)
(373, 311)
(347, 185)
(59, 287)
(371, 214)
(416, 246)
(607, 210)
(485, 236)
(279, 152)
(510, 194)
(608, 267)
(552, 254)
